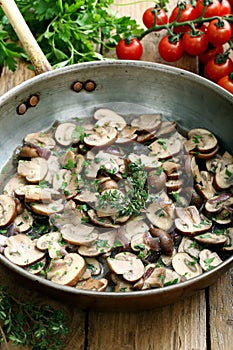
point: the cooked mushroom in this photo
(148, 122)
(223, 179)
(153, 278)
(186, 266)
(47, 209)
(161, 215)
(66, 180)
(157, 179)
(23, 221)
(37, 267)
(205, 185)
(165, 240)
(52, 242)
(93, 265)
(146, 161)
(209, 260)
(190, 247)
(211, 238)
(3, 240)
(101, 136)
(120, 284)
(28, 152)
(15, 182)
(64, 134)
(86, 196)
(36, 193)
(203, 140)
(165, 129)
(33, 170)
(228, 246)
(103, 244)
(104, 222)
(66, 271)
(166, 148)
(45, 140)
(105, 112)
(216, 203)
(128, 265)
(21, 250)
(8, 210)
(171, 277)
(99, 285)
(190, 222)
(112, 119)
(79, 234)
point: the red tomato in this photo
(215, 71)
(170, 51)
(210, 52)
(219, 31)
(131, 50)
(227, 82)
(195, 44)
(188, 13)
(148, 17)
(225, 8)
(213, 9)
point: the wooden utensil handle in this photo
(25, 36)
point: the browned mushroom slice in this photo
(189, 246)
(170, 167)
(136, 225)
(67, 159)
(15, 182)
(223, 179)
(23, 221)
(105, 112)
(120, 284)
(79, 234)
(153, 278)
(104, 222)
(216, 203)
(98, 285)
(33, 170)
(165, 240)
(210, 238)
(66, 271)
(47, 209)
(114, 120)
(186, 266)
(205, 186)
(35, 193)
(104, 161)
(28, 152)
(37, 267)
(171, 277)
(148, 162)
(66, 181)
(22, 251)
(44, 140)
(138, 244)
(165, 129)
(103, 244)
(166, 148)
(128, 265)
(205, 155)
(93, 265)
(52, 242)
(209, 260)
(86, 196)
(157, 179)
(228, 246)
(68, 216)
(190, 222)
(174, 185)
(101, 136)
(161, 215)
(167, 259)
(148, 122)
(8, 210)
(64, 134)
(128, 134)
(203, 139)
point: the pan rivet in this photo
(21, 109)
(33, 101)
(89, 85)
(77, 86)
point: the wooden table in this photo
(201, 322)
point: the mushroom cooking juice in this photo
(114, 203)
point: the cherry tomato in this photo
(225, 8)
(195, 44)
(219, 31)
(213, 9)
(169, 49)
(215, 71)
(227, 82)
(188, 13)
(129, 50)
(148, 17)
(210, 52)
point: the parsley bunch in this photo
(68, 32)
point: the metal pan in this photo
(127, 87)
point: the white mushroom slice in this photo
(149, 122)
(103, 244)
(135, 226)
(203, 139)
(211, 238)
(167, 259)
(66, 271)
(23, 221)
(148, 162)
(64, 134)
(206, 155)
(128, 134)
(67, 159)
(36, 193)
(174, 185)
(228, 246)
(223, 179)
(171, 278)
(44, 140)
(98, 285)
(37, 267)
(104, 222)
(79, 234)
(51, 241)
(190, 222)
(102, 160)
(186, 266)
(209, 260)
(137, 244)
(127, 265)
(153, 278)
(104, 112)
(216, 203)
(115, 121)
(205, 186)
(161, 216)
(22, 251)
(66, 180)
(109, 202)
(47, 209)
(15, 182)
(101, 136)
(166, 148)
(53, 168)
(93, 265)
(86, 196)
(8, 210)
(33, 170)
(189, 246)
(69, 216)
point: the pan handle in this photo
(36, 55)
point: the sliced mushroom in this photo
(3, 240)
(216, 203)
(120, 284)
(15, 182)
(148, 162)
(22, 251)
(166, 148)
(52, 242)
(86, 196)
(35, 193)
(44, 140)
(205, 186)
(165, 129)
(127, 265)
(186, 266)
(203, 140)
(79, 234)
(128, 134)
(190, 247)
(105, 112)
(134, 226)
(98, 285)
(157, 179)
(209, 260)
(66, 271)
(223, 179)
(37, 267)
(228, 246)
(23, 221)
(160, 215)
(28, 152)
(93, 265)
(104, 222)
(104, 161)
(165, 240)
(103, 244)
(47, 209)
(34, 170)
(68, 216)
(66, 180)
(190, 222)
(171, 277)
(153, 278)
(114, 120)
(101, 136)
(211, 238)
(148, 122)
(64, 134)
(8, 210)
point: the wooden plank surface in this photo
(201, 322)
